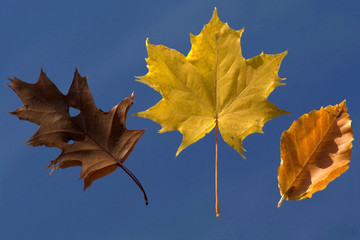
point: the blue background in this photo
(105, 40)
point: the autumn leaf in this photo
(213, 86)
(101, 141)
(315, 150)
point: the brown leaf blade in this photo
(315, 150)
(101, 140)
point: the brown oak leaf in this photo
(101, 142)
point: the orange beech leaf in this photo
(101, 141)
(314, 151)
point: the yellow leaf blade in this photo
(213, 83)
(315, 150)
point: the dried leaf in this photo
(214, 83)
(101, 140)
(314, 151)
(213, 86)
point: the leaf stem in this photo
(135, 180)
(281, 200)
(216, 171)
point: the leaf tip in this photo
(135, 114)
(240, 32)
(285, 112)
(52, 170)
(12, 112)
(76, 73)
(214, 15)
(42, 74)
(178, 151)
(343, 104)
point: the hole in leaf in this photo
(73, 112)
(70, 142)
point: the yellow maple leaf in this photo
(315, 150)
(213, 86)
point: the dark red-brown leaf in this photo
(101, 141)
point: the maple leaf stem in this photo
(135, 180)
(216, 171)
